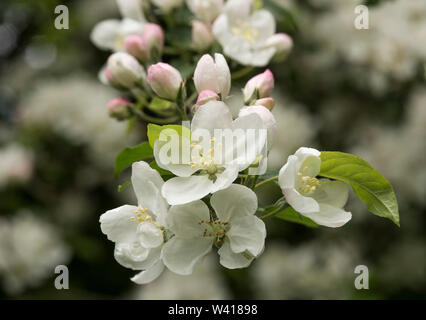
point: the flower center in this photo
(215, 228)
(307, 184)
(141, 215)
(205, 162)
(244, 30)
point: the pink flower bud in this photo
(202, 37)
(259, 86)
(213, 75)
(153, 37)
(135, 46)
(282, 44)
(268, 120)
(118, 108)
(164, 80)
(204, 97)
(125, 70)
(268, 103)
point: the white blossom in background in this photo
(244, 34)
(214, 172)
(30, 249)
(320, 200)
(110, 34)
(16, 164)
(76, 108)
(315, 270)
(206, 283)
(167, 5)
(236, 231)
(139, 231)
(205, 10)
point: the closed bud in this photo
(204, 97)
(153, 40)
(213, 75)
(135, 46)
(202, 37)
(282, 44)
(259, 87)
(125, 70)
(164, 80)
(119, 109)
(268, 103)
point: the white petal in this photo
(223, 75)
(237, 200)
(225, 179)
(330, 216)
(300, 203)
(131, 9)
(184, 220)
(247, 233)
(133, 256)
(149, 235)
(183, 190)
(288, 173)
(333, 193)
(181, 255)
(213, 115)
(147, 184)
(205, 76)
(104, 35)
(238, 8)
(130, 26)
(117, 225)
(264, 22)
(232, 260)
(311, 156)
(150, 274)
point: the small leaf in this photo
(154, 132)
(368, 184)
(159, 104)
(132, 154)
(289, 214)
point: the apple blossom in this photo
(234, 229)
(212, 166)
(165, 80)
(213, 75)
(243, 35)
(139, 231)
(320, 200)
(131, 9)
(148, 45)
(118, 108)
(202, 37)
(205, 10)
(125, 70)
(258, 87)
(267, 117)
(204, 97)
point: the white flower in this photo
(205, 10)
(268, 119)
(244, 36)
(213, 165)
(213, 75)
(321, 201)
(234, 228)
(110, 34)
(139, 231)
(167, 5)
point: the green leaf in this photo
(289, 214)
(368, 184)
(132, 154)
(154, 132)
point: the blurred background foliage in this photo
(358, 91)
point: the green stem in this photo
(265, 182)
(149, 118)
(241, 73)
(272, 213)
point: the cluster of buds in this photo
(148, 46)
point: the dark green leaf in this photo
(290, 215)
(132, 154)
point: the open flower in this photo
(320, 200)
(214, 162)
(243, 35)
(139, 231)
(233, 228)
